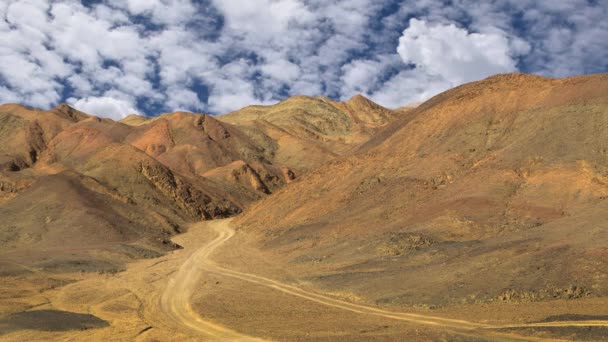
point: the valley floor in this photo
(220, 288)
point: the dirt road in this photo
(176, 300)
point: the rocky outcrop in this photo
(65, 111)
(518, 296)
(249, 177)
(189, 198)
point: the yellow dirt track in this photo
(176, 299)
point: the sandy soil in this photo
(195, 294)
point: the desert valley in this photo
(478, 215)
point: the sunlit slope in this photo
(495, 190)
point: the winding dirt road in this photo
(175, 301)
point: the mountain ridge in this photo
(478, 214)
(499, 162)
(164, 171)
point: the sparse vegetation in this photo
(479, 214)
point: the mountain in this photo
(80, 189)
(306, 132)
(496, 190)
(479, 214)
(24, 132)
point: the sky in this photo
(112, 58)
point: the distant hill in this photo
(305, 132)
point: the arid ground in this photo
(479, 215)
(218, 288)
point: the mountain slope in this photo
(103, 183)
(495, 190)
(25, 132)
(305, 132)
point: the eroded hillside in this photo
(73, 185)
(479, 215)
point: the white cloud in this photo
(267, 49)
(281, 70)
(181, 57)
(161, 11)
(453, 53)
(29, 72)
(363, 76)
(408, 87)
(248, 18)
(440, 56)
(233, 89)
(182, 99)
(8, 96)
(105, 107)
(80, 36)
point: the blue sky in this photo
(115, 57)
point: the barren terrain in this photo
(187, 295)
(479, 215)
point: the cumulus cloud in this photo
(408, 87)
(281, 70)
(232, 88)
(439, 56)
(366, 76)
(106, 107)
(454, 54)
(248, 18)
(216, 56)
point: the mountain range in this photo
(69, 180)
(492, 193)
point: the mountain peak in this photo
(134, 119)
(65, 111)
(359, 98)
